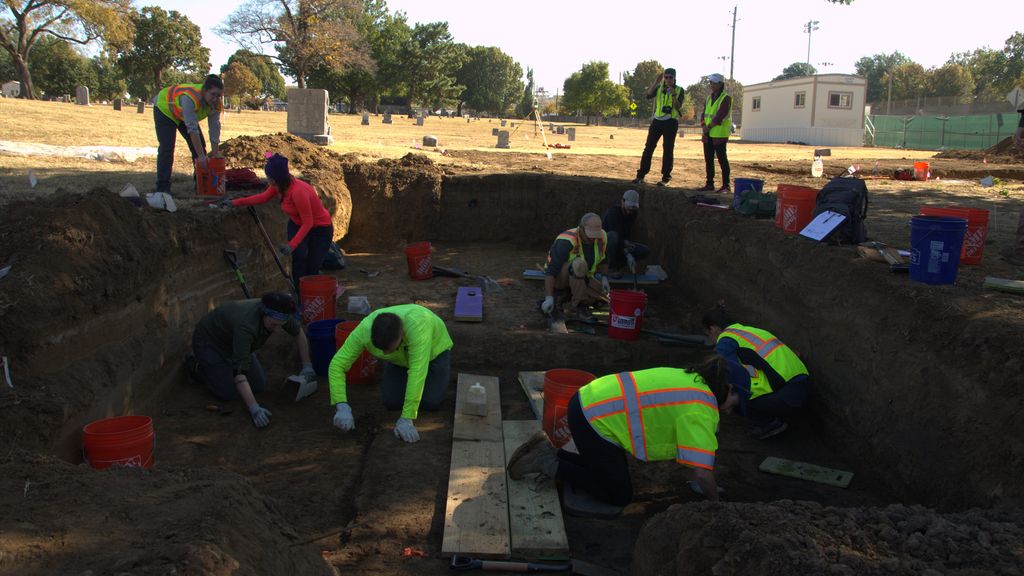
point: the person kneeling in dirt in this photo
(415, 344)
(655, 414)
(618, 223)
(226, 339)
(767, 380)
(574, 261)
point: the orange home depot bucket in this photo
(210, 182)
(627, 314)
(125, 441)
(921, 171)
(364, 370)
(559, 386)
(977, 229)
(317, 295)
(794, 207)
(417, 255)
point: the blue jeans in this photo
(392, 389)
(167, 135)
(309, 255)
(617, 251)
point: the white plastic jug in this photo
(476, 401)
(817, 167)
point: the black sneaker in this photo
(638, 180)
(665, 181)
(773, 428)
(583, 313)
(706, 188)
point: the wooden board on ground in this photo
(469, 304)
(641, 279)
(1004, 285)
(533, 385)
(805, 471)
(537, 526)
(476, 514)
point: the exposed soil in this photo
(1006, 150)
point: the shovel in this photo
(232, 260)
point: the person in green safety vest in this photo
(179, 109)
(654, 415)
(668, 100)
(767, 380)
(577, 265)
(717, 125)
(414, 343)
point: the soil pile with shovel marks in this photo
(788, 537)
(1003, 152)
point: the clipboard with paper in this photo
(822, 225)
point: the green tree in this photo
(430, 60)
(263, 67)
(58, 68)
(241, 83)
(492, 80)
(527, 102)
(950, 80)
(110, 81)
(874, 68)
(638, 81)
(908, 81)
(796, 70)
(1014, 53)
(987, 67)
(25, 22)
(163, 40)
(305, 33)
(7, 71)
(591, 92)
(697, 95)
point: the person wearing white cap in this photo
(668, 100)
(717, 125)
(577, 262)
(618, 222)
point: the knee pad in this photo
(578, 267)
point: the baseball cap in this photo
(631, 199)
(591, 224)
(716, 78)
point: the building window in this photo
(755, 103)
(843, 100)
(800, 100)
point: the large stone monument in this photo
(419, 120)
(307, 115)
(117, 104)
(82, 95)
(429, 141)
(387, 118)
(141, 107)
(366, 119)
(503, 139)
(571, 133)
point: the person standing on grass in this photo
(716, 124)
(310, 228)
(668, 100)
(178, 110)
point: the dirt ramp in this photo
(787, 537)
(206, 522)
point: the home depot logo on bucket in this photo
(562, 435)
(424, 267)
(974, 241)
(789, 217)
(313, 308)
(368, 367)
(624, 322)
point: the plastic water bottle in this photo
(476, 401)
(817, 167)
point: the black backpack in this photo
(848, 196)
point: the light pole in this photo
(724, 59)
(810, 27)
(732, 51)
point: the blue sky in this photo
(556, 37)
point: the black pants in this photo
(217, 374)
(710, 151)
(392, 389)
(660, 129)
(617, 252)
(309, 256)
(787, 401)
(601, 467)
(166, 135)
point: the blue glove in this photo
(260, 416)
(404, 430)
(343, 419)
(284, 249)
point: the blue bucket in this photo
(739, 185)
(935, 243)
(322, 346)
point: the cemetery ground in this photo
(917, 388)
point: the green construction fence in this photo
(943, 132)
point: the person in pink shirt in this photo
(310, 229)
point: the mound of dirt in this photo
(787, 537)
(1003, 152)
(58, 518)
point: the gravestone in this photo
(503, 139)
(82, 95)
(494, 131)
(387, 118)
(571, 133)
(513, 124)
(611, 136)
(561, 129)
(430, 141)
(307, 115)
(502, 123)
(67, 98)
(366, 119)
(419, 120)
(117, 104)
(551, 127)
(141, 107)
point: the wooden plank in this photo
(533, 385)
(469, 304)
(537, 526)
(476, 514)
(1004, 285)
(805, 471)
(641, 279)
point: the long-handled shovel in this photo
(273, 251)
(232, 259)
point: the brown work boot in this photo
(535, 456)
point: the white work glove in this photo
(605, 285)
(404, 430)
(548, 305)
(631, 263)
(306, 381)
(343, 419)
(260, 416)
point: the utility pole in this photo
(732, 51)
(888, 103)
(810, 27)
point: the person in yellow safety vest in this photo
(416, 346)
(178, 109)
(717, 125)
(654, 415)
(578, 262)
(767, 380)
(668, 100)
